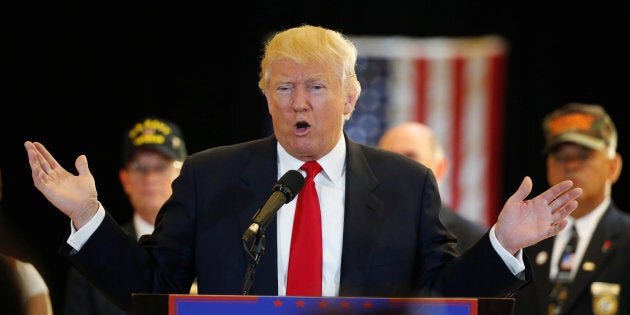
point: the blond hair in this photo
(309, 44)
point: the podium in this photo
(184, 304)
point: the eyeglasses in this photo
(576, 154)
(159, 168)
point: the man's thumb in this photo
(82, 165)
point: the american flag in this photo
(454, 85)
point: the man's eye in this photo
(284, 89)
(578, 157)
(317, 88)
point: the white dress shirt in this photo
(585, 226)
(142, 227)
(330, 184)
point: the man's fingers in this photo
(37, 163)
(565, 210)
(565, 197)
(42, 162)
(555, 228)
(552, 194)
(52, 163)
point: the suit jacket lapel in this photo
(600, 249)
(541, 254)
(259, 176)
(363, 209)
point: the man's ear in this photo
(123, 176)
(615, 168)
(440, 169)
(351, 101)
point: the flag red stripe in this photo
(457, 123)
(421, 83)
(496, 87)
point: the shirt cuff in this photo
(78, 237)
(513, 262)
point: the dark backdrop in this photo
(76, 74)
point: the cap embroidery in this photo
(145, 132)
(155, 134)
(575, 121)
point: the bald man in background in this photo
(418, 142)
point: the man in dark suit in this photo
(417, 141)
(381, 233)
(153, 151)
(581, 145)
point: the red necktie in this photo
(305, 259)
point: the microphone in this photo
(284, 191)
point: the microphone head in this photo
(290, 184)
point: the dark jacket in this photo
(606, 260)
(466, 231)
(394, 244)
(83, 298)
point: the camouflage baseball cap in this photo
(585, 124)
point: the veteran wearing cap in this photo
(153, 151)
(593, 277)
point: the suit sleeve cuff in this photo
(513, 262)
(78, 237)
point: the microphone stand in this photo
(255, 252)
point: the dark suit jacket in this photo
(465, 231)
(83, 298)
(606, 260)
(394, 244)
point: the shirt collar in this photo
(142, 227)
(332, 163)
(586, 224)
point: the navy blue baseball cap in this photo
(156, 134)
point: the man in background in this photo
(418, 142)
(591, 276)
(153, 153)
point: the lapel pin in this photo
(588, 266)
(541, 258)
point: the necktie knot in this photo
(311, 168)
(568, 255)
